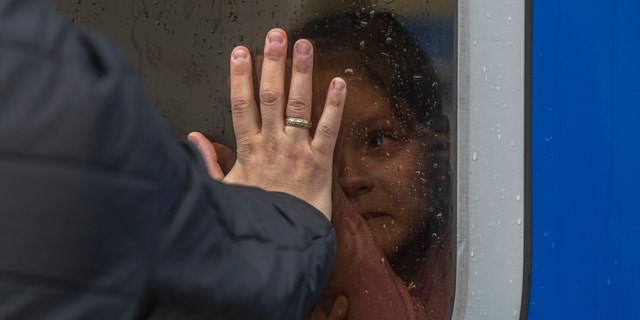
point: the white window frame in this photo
(491, 221)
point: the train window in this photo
(429, 214)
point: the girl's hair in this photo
(377, 47)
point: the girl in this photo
(392, 198)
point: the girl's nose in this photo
(355, 181)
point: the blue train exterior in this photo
(585, 113)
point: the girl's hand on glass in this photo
(339, 310)
(362, 272)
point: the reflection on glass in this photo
(392, 195)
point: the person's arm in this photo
(281, 159)
(104, 215)
(251, 255)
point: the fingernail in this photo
(239, 55)
(191, 137)
(276, 38)
(339, 85)
(304, 48)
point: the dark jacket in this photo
(103, 215)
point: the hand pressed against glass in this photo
(272, 155)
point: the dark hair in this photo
(386, 53)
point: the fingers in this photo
(326, 133)
(272, 93)
(300, 92)
(339, 309)
(208, 153)
(246, 120)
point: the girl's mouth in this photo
(373, 214)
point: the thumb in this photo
(208, 153)
(339, 309)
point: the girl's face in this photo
(381, 163)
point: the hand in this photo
(217, 157)
(338, 311)
(270, 155)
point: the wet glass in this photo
(394, 197)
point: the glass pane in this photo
(394, 195)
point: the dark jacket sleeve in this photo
(103, 215)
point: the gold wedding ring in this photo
(297, 123)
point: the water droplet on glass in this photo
(474, 156)
(471, 253)
(519, 221)
(348, 71)
(518, 197)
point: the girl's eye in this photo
(380, 139)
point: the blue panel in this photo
(585, 166)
